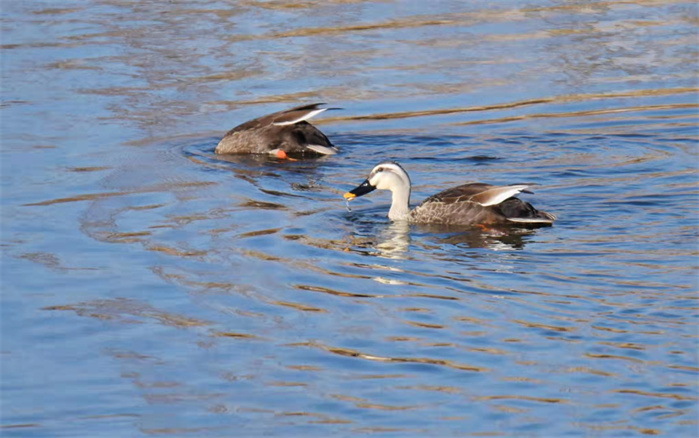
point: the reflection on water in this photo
(394, 240)
(152, 287)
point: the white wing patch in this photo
(306, 116)
(496, 195)
(322, 149)
(527, 220)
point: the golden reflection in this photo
(685, 368)
(334, 292)
(19, 425)
(628, 345)
(304, 368)
(523, 379)
(288, 384)
(378, 376)
(403, 339)
(396, 24)
(298, 414)
(416, 310)
(510, 409)
(96, 196)
(88, 169)
(546, 326)
(43, 258)
(609, 329)
(445, 389)
(612, 356)
(175, 251)
(127, 237)
(234, 335)
(331, 421)
(364, 404)
(129, 311)
(474, 333)
(57, 11)
(251, 203)
(348, 398)
(616, 426)
(417, 360)
(585, 113)
(473, 320)
(258, 233)
(438, 297)
(677, 413)
(425, 325)
(589, 370)
(367, 430)
(298, 306)
(654, 394)
(521, 397)
(488, 350)
(527, 102)
(175, 431)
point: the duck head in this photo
(387, 175)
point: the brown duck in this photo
(468, 204)
(282, 134)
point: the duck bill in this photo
(360, 190)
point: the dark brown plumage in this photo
(472, 204)
(286, 131)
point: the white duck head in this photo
(387, 175)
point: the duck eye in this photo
(380, 169)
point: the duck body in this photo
(467, 204)
(284, 133)
(455, 207)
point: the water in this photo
(150, 287)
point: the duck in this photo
(469, 204)
(279, 134)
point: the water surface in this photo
(150, 287)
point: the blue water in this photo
(150, 287)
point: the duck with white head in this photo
(467, 204)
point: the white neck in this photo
(400, 206)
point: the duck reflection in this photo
(256, 168)
(496, 238)
(394, 241)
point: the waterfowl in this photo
(468, 204)
(280, 134)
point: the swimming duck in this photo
(280, 134)
(468, 204)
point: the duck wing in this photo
(280, 118)
(297, 114)
(480, 193)
(496, 195)
(477, 203)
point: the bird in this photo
(279, 134)
(468, 204)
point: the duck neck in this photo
(400, 206)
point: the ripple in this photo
(224, 294)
